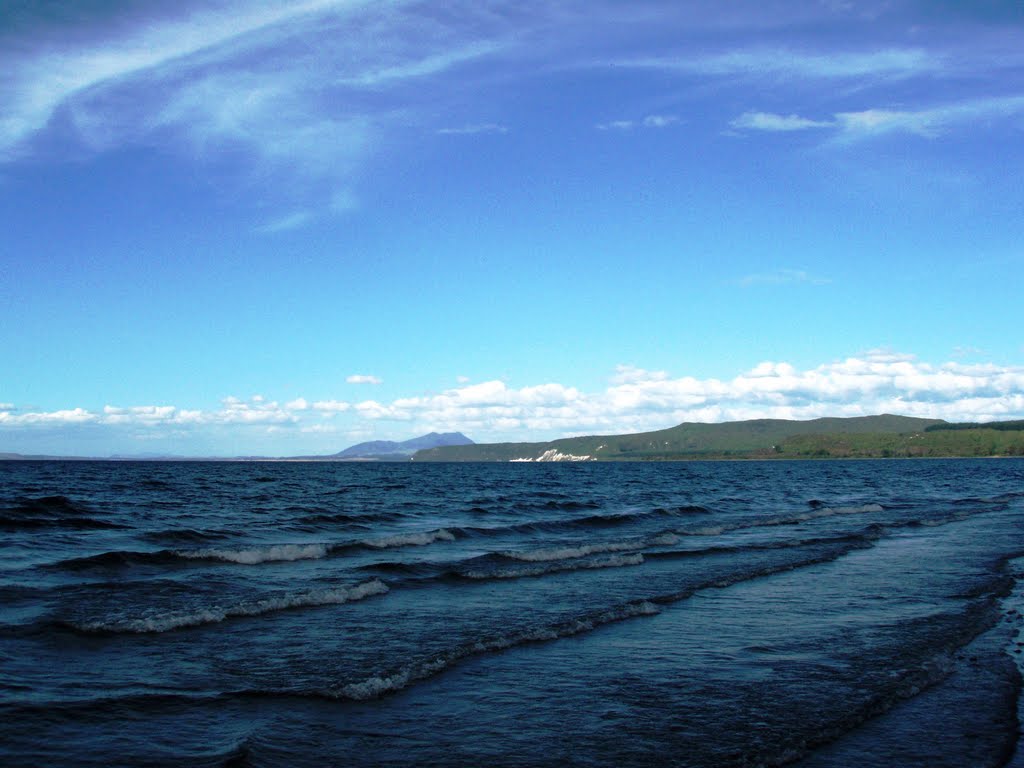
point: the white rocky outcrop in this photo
(555, 455)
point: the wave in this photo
(567, 553)
(47, 505)
(614, 561)
(583, 550)
(587, 521)
(410, 539)
(379, 685)
(51, 512)
(214, 614)
(184, 536)
(9, 523)
(570, 504)
(256, 555)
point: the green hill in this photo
(863, 436)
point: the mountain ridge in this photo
(404, 449)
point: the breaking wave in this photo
(374, 687)
(256, 555)
(214, 614)
(583, 550)
(614, 561)
(411, 539)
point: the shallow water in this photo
(693, 614)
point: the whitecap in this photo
(213, 614)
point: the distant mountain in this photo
(859, 437)
(391, 450)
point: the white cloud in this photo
(659, 121)
(469, 130)
(766, 121)
(61, 417)
(331, 406)
(626, 374)
(38, 82)
(651, 121)
(866, 123)
(291, 221)
(362, 378)
(927, 122)
(283, 95)
(875, 382)
(636, 399)
(782, 62)
(421, 67)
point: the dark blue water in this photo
(691, 614)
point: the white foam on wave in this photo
(374, 687)
(664, 540)
(550, 554)
(411, 539)
(256, 555)
(830, 511)
(613, 561)
(568, 553)
(214, 614)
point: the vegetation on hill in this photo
(1001, 426)
(861, 437)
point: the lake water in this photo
(688, 614)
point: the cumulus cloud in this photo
(877, 381)
(65, 417)
(363, 378)
(331, 406)
(635, 399)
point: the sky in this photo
(283, 227)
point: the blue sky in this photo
(284, 227)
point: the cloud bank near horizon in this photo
(634, 400)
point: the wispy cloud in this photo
(421, 67)
(929, 122)
(285, 94)
(295, 220)
(783, 277)
(40, 78)
(784, 62)
(767, 121)
(472, 129)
